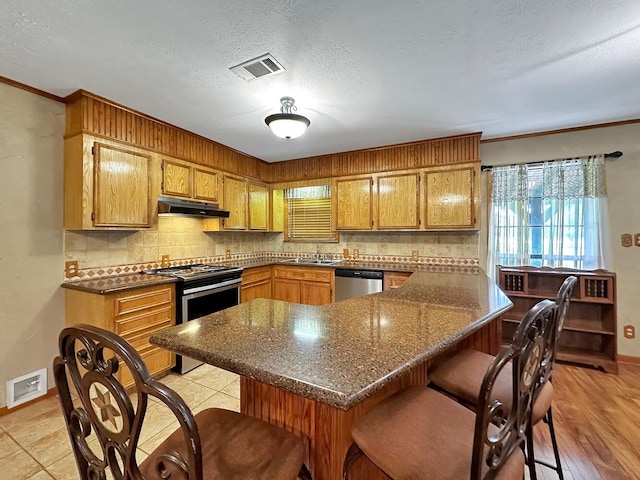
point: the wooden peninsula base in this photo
(328, 429)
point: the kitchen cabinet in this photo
(182, 179)
(258, 206)
(450, 198)
(392, 280)
(106, 185)
(308, 285)
(235, 193)
(398, 201)
(354, 203)
(134, 315)
(439, 198)
(256, 283)
(247, 202)
(589, 332)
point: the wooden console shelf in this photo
(589, 334)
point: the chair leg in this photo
(304, 473)
(531, 459)
(352, 455)
(554, 443)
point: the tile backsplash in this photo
(183, 240)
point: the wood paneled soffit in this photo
(425, 153)
(92, 114)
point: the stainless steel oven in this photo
(201, 290)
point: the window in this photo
(308, 214)
(549, 214)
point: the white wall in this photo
(31, 255)
(623, 184)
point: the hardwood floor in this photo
(597, 422)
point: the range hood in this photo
(189, 208)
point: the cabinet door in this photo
(176, 179)
(261, 289)
(450, 198)
(286, 290)
(315, 293)
(392, 280)
(121, 187)
(256, 283)
(354, 204)
(258, 206)
(399, 201)
(235, 200)
(205, 185)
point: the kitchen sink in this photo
(311, 261)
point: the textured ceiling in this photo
(365, 72)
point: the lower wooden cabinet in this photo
(134, 315)
(392, 280)
(308, 285)
(256, 283)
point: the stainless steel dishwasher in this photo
(356, 283)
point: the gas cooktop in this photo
(195, 271)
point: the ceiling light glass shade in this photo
(287, 124)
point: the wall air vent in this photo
(261, 66)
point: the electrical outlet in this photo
(415, 255)
(626, 240)
(227, 254)
(345, 253)
(636, 239)
(71, 268)
(165, 261)
(629, 331)
(356, 253)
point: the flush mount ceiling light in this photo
(287, 124)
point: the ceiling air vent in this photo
(261, 66)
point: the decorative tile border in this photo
(444, 262)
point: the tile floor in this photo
(34, 444)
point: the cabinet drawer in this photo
(257, 274)
(156, 359)
(300, 273)
(130, 303)
(139, 337)
(152, 317)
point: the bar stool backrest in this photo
(91, 358)
(525, 354)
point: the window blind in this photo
(309, 219)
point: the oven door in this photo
(203, 300)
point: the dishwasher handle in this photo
(367, 274)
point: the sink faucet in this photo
(317, 251)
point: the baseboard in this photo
(50, 393)
(628, 360)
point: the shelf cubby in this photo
(589, 333)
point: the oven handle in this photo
(196, 292)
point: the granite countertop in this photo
(104, 286)
(341, 353)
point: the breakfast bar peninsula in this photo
(314, 370)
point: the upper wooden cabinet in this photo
(247, 202)
(399, 201)
(205, 185)
(354, 204)
(235, 200)
(258, 206)
(176, 179)
(450, 198)
(440, 198)
(182, 179)
(106, 185)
